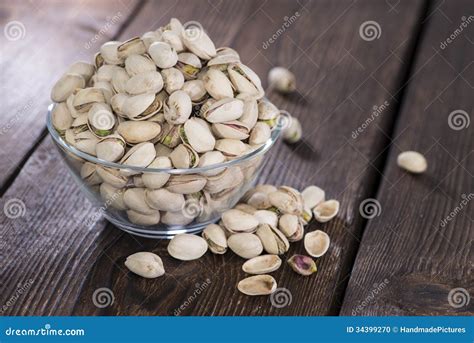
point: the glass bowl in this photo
(199, 195)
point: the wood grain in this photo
(340, 79)
(420, 247)
(44, 38)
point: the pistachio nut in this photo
(293, 132)
(61, 117)
(312, 196)
(303, 265)
(229, 178)
(245, 81)
(85, 98)
(260, 134)
(112, 177)
(173, 80)
(170, 136)
(157, 180)
(195, 89)
(109, 52)
(134, 199)
(232, 129)
(316, 243)
(66, 85)
(292, 227)
(211, 158)
(249, 113)
(86, 70)
(89, 174)
(187, 247)
(178, 107)
(197, 134)
(163, 54)
(173, 39)
(245, 245)
(105, 73)
(147, 82)
(143, 219)
(198, 42)
(215, 238)
(164, 200)
(112, 196)
(101, 119)
(262, 264)
(189, 64)
(224, 110)
(273, 240)
(110, 148)
(267, 111)
(119, 80)
(85, 141)
(186, 183)
(145, 264)
(245, 208)
(287, 200)
(184, 156)
(266, 217)
(257, 285)
(176, 218)
(231, 148)
(326, 210)
(217, 84)
(142, 106)
(140, 155)
(132, 46)
(134, 132)
(282, 80)
(412, 161)
(138, 64)
(237, 221)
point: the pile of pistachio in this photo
(267, 219)
(169, 87)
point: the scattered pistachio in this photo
(145, 264)
(302, 264)
(316, 243)
(257, 285)
(282, 80)
(262, 264)
(412, 161)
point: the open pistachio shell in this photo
(232, 129)
(312, 196)
(231, 148)
(130, 47)
(245, 81)
(217, 84)
(257, 285)
(197, 134)
(189, 64)
(141, 155)
(110, 148)
(273, 240)
(287, 200)
(326, 210)
(178, 107)
(142, 106)
(224, 110)
(292, 227)
(184, 156)
(262, 264)
(198, 42)
(316, 243)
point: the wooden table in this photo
(362, 99)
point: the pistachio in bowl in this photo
(164, 131)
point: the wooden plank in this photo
(40, 40)
(420, 247)
(340, 77)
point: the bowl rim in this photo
(63, 144)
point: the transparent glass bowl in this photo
(199, 197)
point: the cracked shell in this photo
(316, 243)
(262, 264)
(257, 285)
(215, 238)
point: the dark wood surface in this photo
(68, 253)
(416, 246)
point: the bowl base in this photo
(165, 233)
